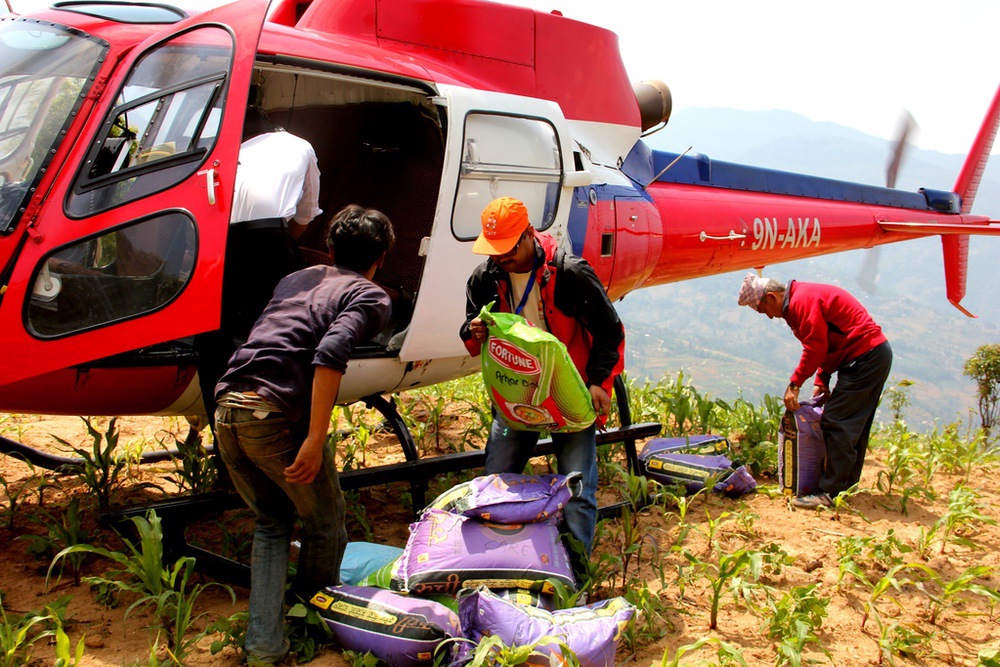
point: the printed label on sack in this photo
(513, 358)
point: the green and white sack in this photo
(530, 377)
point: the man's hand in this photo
(477, 329)
(307, 462)
(601, 400)
(792, 397)
(820, 391)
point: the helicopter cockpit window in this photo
(163, 125)
(45, 71)
(507, 156)
(129, 271)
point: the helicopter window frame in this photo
(162, 169)
(542, 209)
(96, 265)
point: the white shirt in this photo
(532, 307)
(277, 177)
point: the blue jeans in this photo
(257, 451)
(508, 450)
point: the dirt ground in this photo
(963, 627)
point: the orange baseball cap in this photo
(504, 220)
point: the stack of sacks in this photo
(692, 461)
(496, 538)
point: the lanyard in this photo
(527, 291)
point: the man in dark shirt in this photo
(838, 336)
(274, 414)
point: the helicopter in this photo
(120, 127)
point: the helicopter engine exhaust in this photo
(655, 103)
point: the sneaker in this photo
(812, 501)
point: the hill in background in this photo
(696, 327)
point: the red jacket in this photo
(575, 305)
(832, 325)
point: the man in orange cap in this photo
(527, 273)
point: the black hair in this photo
(358, 236)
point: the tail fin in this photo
(956, 248)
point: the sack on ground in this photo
(401, 631)
(693, 472)
(509, 497)
(448, 552)
(801, 450)
(531, 379)
(591, 632)
(691, 444)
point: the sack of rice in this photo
(530, 377)
(509, 497)
(801, 450)
(401, 631)
(448, 552)
(591, 632)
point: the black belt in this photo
(261, 223)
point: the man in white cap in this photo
(838, 336)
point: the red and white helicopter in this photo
(120, 125)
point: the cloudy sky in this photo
(858, 63)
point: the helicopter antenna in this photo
(664, 170)
(9, 8)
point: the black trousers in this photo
(848, 416)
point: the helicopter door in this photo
(127, 249)
(498, 145)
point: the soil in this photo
(961, 629)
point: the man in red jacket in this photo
(838, 336)
(527, 273)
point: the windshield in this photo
(44, 73)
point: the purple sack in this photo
(399, 630)
(448, 552)
(591, 632)
(801, 450)
(689, 470)
(692, 444)
(510, 498)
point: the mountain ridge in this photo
(726, 351)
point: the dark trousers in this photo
(848, 416)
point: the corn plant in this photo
(142, 574)
(725, 652)
(61, 532)
(955, 526)
(15, 494)
(719, 573)
(962, 585)
(650, 623)
(491, 651)
(895, 638)
(795, 618)
(102, 468)
(195, 470)
(17, 636)
(66, 654)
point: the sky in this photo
(857, 63)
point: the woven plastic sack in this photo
(509, 497)
(801, 450)
(692, 444)
(693, 471)
(591, 632)
(448, 552)
(399, 630)
(531, 379)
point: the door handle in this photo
(210, 183)
(732, 237)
